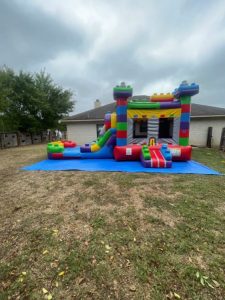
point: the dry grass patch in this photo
(109, 235)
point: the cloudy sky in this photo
(90, 46)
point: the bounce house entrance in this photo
(166, 128)
(140, 128)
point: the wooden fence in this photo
(16, 139)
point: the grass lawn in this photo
(80, 235)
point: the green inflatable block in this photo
(127, 88)
(183, 141)
(143, 105)
(121, 126)
(146, 153)
(54, 148)
(185, 99)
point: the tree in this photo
(32, 102)
(6, 82)
(51, 95)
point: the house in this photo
(86, 126)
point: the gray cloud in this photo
(89, 47)
(30, 36)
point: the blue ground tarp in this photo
(110, 165)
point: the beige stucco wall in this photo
(82, 133)
(199, 130)
(86, 132)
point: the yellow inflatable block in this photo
(57, 143)
(153, 113)
(95, 148)
(162, 97)
(113, 120)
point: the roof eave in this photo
(82, 121)
(208, 116)
(100, 120)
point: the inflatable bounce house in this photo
(154, 131)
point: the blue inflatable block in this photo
(72, 152)
(184, 125)
(185, 117)
(186, 89)
(166, 152)
(121, 141)
(112, 130)
(121, 110)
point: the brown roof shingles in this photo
(197, 110)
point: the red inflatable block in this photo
(121, 102)
(121, 134)
(129, 152)
(180, 153)
(185, 108)
(57, 155)
(69, 144)
(184, 133)
(107, 124)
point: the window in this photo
(166, 128)
(99, 128)
(140, 128)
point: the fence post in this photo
(209, 137)
(222, 140)
(18, 138)
(31, 137)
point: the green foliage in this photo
(204, 280)
(32, 102)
